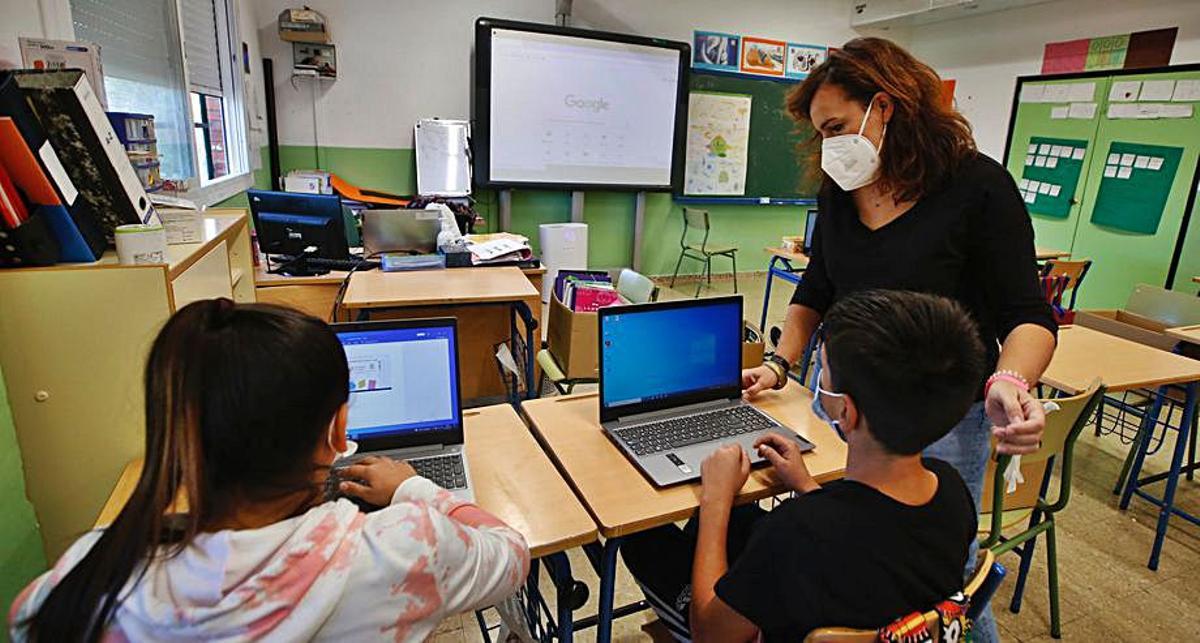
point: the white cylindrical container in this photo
(564, 246)
(141, 243)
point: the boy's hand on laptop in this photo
(1018, 419)
(374, 479)
(758, 379)
(722, 474)
(786, 457)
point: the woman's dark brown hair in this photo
(238, 397)
(927, 139)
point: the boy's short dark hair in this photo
(911, 361)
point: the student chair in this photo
(695, 221)
(635, 288)
(1031, 498)
(978, 591)
(1074, 271)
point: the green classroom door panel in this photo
(1055, 218)
(1123, 258)
(1051, 173)
(1134, 188)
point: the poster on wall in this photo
(1137, 50)
(715, 51)
(1051, 174)
(762, 56)
(718, 141)
(801, 59)
(1136, 184)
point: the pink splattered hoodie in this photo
(331, 573)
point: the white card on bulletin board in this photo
(443, 157)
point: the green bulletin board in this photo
(1136, 183)
(1052, 168)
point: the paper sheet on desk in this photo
(499, 248)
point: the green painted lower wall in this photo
(609, 215)
(21, 554)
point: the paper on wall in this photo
(1029, 160)
(1128, 159)
(1044, 149)
(1056, 94)
(1141, 162)
(1052, 162)
(1034, 185)
(1124, 172)
(1167, 110)
(1126, 90)
(1040, 161)
(1055, 189)
(1086, 111)
(1157, 90)
(1156, 163)
(1110, 171)
(1024, 183)
(1114, 159)
(1079, 152)
(1030, 197)
(1186, 90)
(1031, 93)
(1032, 148)
(1044, 188)
(1081, 92)
(1059, 112)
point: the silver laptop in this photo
(404, 231)
(405, 398)
(670, 386)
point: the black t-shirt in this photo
(847, 555)
(971, 241)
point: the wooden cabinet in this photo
(73, 343)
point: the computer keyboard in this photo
(331, 264)
(445, 470)
(664, 435)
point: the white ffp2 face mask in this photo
(851, 160)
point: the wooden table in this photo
(1043, 254)
(1196, 279)
(1084, 354)
(513, 479)
(786, 265)
(487, 303)
(624, 502)
(1189, 334)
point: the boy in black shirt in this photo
(899, 370)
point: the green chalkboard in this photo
(1052, 167)
(775, 168)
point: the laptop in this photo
(409, 231)
(405, 398)
(671, 386)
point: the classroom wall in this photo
(402, 61)
(985, 54)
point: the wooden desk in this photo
(1082, 355)
(786, 265)
(513, 480)
(377, 289)
(479, 331)
(620, 498)
(1043, 254)
(1189, 334)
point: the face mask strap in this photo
(863, 126)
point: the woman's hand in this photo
(784, 454)
(758, 379)
(723, 474)
(1017, 418)
(375, 479)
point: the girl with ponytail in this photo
(245, 411)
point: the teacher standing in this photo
(909, 203)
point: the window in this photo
(177, 60)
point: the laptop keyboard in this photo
(445, 470)
(664, 435)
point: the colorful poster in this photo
(718, 141)
(716, 51)
(801, 59)
(1138, 50)
(1136, 183)
(761, 56)
(1051, 174)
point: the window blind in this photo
(201, 52)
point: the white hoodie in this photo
(331, 573)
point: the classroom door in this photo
(1136, 193)
(1045, 156)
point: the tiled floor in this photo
(1107, 592)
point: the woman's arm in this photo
(1027, 350)
(799, 326)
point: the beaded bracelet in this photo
(1006, 375)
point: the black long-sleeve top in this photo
(970, 240)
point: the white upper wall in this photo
(33, 19)
(401, 61)
(986, 54)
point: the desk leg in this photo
(1141, 442)
(1168, 503)
(522, 308)
(559, 567)
(762, 324)
(604, 559)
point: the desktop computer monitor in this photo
(288, 223)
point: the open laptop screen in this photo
(403, 381)
(669, 354)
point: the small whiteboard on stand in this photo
(443, 157)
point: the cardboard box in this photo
(573, 339)
(1127, 325)
(752, 354)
